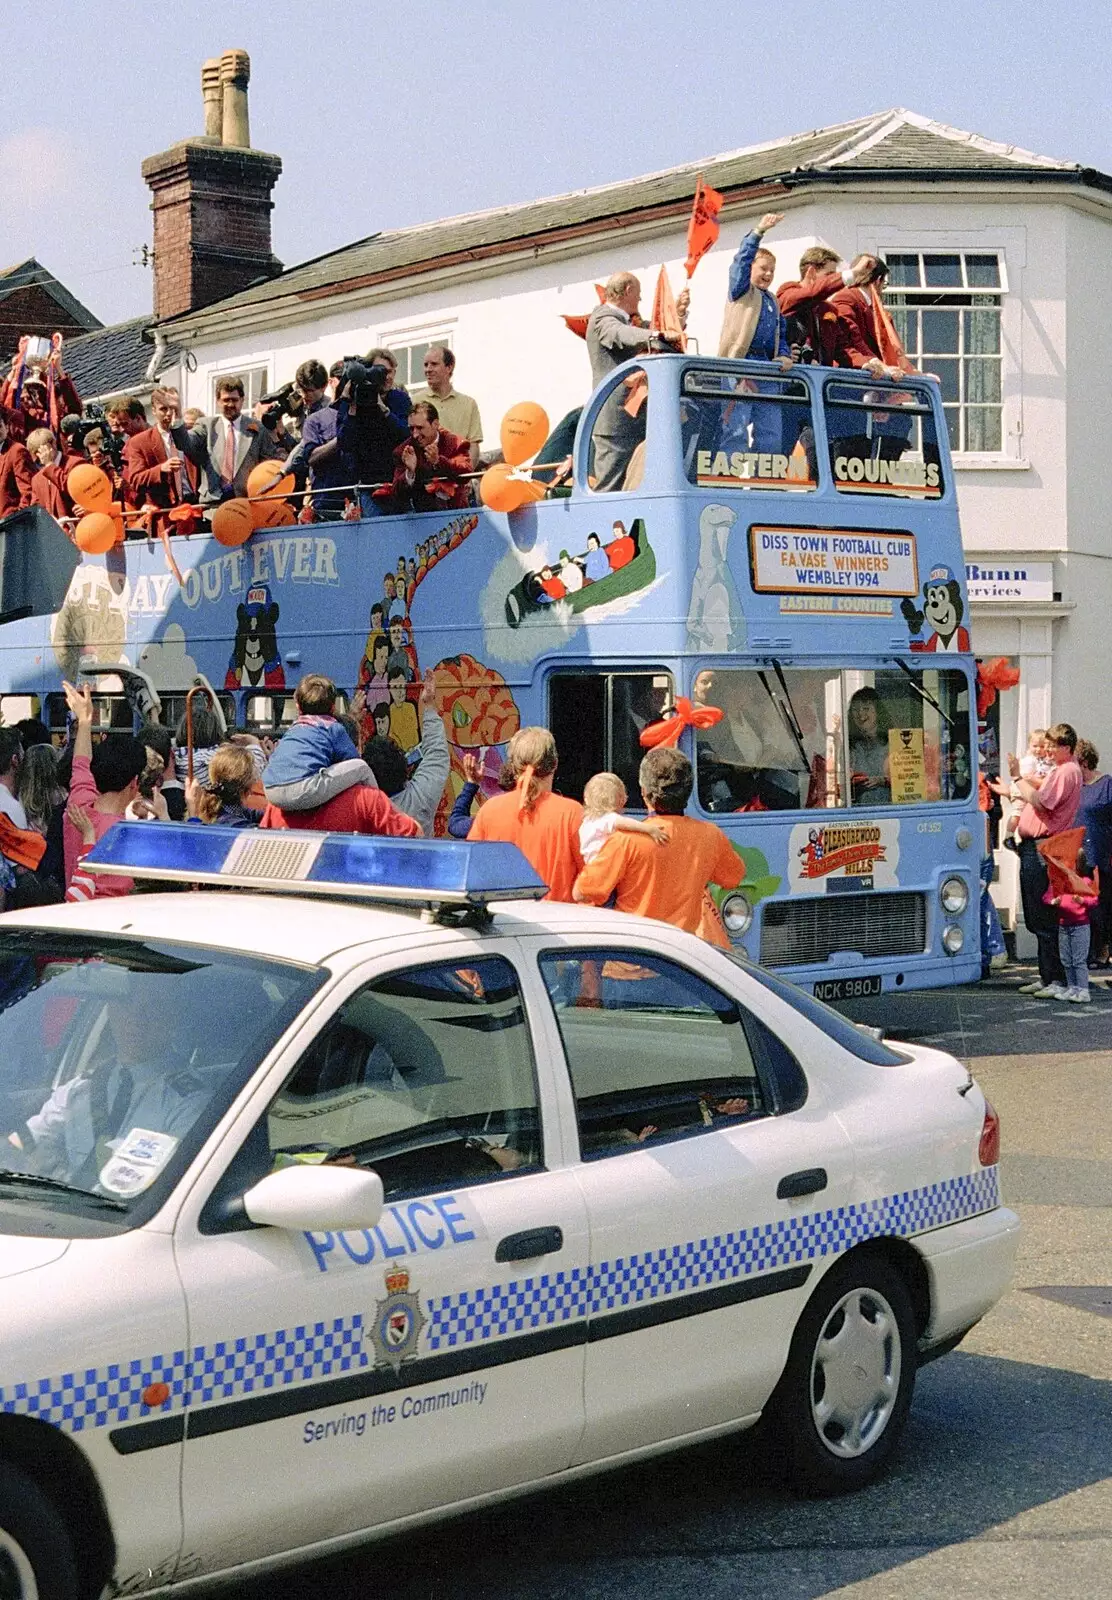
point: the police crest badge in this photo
(398, 1321)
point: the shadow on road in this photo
(987, 1439)
(992, 1018)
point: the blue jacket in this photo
(771, 336)
(312, 743)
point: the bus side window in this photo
(596, 719)
(618, 436)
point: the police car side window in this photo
(426, 1076)
(654, 1051)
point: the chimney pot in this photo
(213, 95)
(235, 73)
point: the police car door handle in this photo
(810, 1181)
(533, 1242)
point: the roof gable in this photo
(29, 273)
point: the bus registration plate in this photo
(847, 988)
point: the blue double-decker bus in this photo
(781, 567)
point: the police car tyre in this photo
(843, 1400)
(37, 1557)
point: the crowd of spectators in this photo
(55, 805)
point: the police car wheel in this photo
(37, 1560)
(843, 1400)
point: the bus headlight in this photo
(954, 895)
(737, 914)
(952, 939)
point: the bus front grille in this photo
(796, 933)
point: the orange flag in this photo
(702, 230)
(578, 325)
(1060, 854)
(665, 318)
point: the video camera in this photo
(79, 429)
(283, 402)
(360, 383)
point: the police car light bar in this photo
(422, 872)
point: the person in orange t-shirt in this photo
(667, 883)
(543, 825)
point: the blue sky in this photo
(385, 116)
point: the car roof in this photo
(306, 929)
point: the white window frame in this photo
(256, 383)
(409, 339)
(1009, 245)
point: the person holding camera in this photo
(431, 468)
(368, 433)
(316, 457)
(227, 446)
(397, 395)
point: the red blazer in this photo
(16, 473)
(48, 489)
(144, 481)
(436, 488)
(806, 300)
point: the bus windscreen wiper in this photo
(922, 692)
(787, 711)
(37, 1180)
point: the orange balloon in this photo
(273, 513)
(267, 478)
(499, 492)
(233, 522)
(95, 533)
(89, 486)
(524, 430)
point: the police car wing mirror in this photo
(312, 1199)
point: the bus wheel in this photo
(37, 1558)
(843, 1400)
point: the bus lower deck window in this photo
(596, 719)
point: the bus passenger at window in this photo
(544, 826)
(868, 750)
(752, 325)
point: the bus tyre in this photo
(37, 1558)
(841, 1405)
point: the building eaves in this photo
(113, 360)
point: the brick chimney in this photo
(211, 200)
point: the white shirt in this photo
(12, 808)
(594, 832)
(174, 454)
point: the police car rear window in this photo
(860, 1042)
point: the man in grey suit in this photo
(227, 446)
(611, 339)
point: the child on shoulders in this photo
(316, 758)
(604, 800)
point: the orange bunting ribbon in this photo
(671, 726)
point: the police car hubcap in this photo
(17, 1577)
(855, 1373)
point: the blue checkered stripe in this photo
(536, 1303)
(107, 1396)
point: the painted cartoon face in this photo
(382, 656)
(397, 635)
(938, 603)
(382, 724)
(397, 689)
(376, 618)
(388, 586)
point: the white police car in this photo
(320, 1215)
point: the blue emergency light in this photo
(420, 872)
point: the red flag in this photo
(1060, 854)
(665, 318)
(702, 230)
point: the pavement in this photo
(1003, 1486)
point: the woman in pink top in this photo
(105, 782)
(1050, 808)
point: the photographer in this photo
(318, 455)
(368, 433)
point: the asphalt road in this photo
(1003, 1487)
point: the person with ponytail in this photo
(543, 825)
(221, 798)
